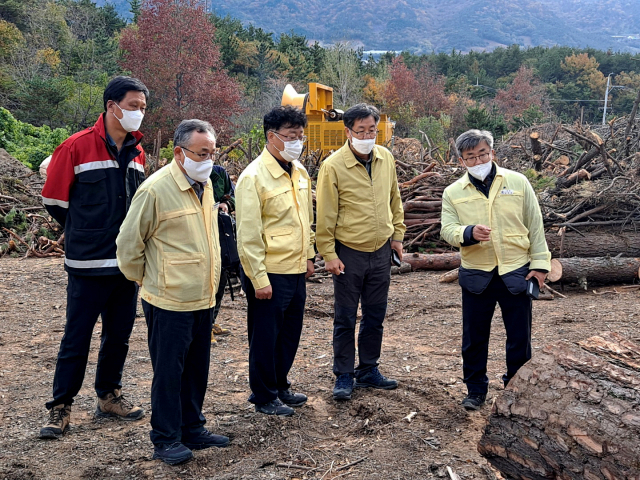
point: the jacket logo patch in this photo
(303, 183)
(506, 191)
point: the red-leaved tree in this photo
(172, 50)
(523, 93)
(412, 94)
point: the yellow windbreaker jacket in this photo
(169, 242)
(359, 211)
(513, 214)
(274, 213)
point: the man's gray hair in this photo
(471, 139)
(184, 132)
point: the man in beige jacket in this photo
(360, 221)
(274, 207)
(169, 244)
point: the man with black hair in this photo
(360, 221)
(91, 180)
(169, 244)
(274, 208)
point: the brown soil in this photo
(421, 349)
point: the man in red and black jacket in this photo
(91, 180)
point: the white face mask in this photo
(480, 171)
(198, 171)
(131, 119)
(363, 146)
(292, 149)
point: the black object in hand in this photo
(395, 258)
(533, 289)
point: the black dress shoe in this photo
(473, 401)
(374, 379)
(292, 399)
(275, 407)
(205, 439)
(173, 454)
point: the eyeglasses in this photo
(284, 138)
(202, 156)
(364, 135)
(477, 159)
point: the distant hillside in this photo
(441, 25)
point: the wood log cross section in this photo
(571, 413)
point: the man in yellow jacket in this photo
(274, 210)
(493, 215)
(169, 244)
(360, 222)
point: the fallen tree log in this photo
(441, 261)
(594, 244)
(449, 277)
(572, 412)
(601, 270)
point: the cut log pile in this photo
(572, 412)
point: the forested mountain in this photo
(423, 26)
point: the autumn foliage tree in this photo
(412, 94)
(172, 50)
(524, 93)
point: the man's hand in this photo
(310, 268)
(481, 233)
(397, 246)
(264, 293)
(224, 207)
(540, 276)
(334, 266)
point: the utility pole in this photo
(606, 97)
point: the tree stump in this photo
(601, 270)
(571, 413)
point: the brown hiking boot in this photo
(213, 339)
(116, 405)
(58, 422)
(218, 330)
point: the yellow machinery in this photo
(326, 129)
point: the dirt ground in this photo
(421, 349)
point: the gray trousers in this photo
(366, 279)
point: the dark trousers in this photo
(114, 298)
(179, 346)
(220, 293)
(366, 278)
(477, 312)
(274, 327)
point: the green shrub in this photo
(29, 144)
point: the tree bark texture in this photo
(441, 261)
(601, 270)
(571, 413)
(595, 244)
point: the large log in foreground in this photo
(601, 270)
(594, 244)
(436, 261)
(571, 413)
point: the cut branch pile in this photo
(26, 229)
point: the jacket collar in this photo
(101, 130)
(178, 176)
(350, 159)
(272, 164)
(466, 181)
